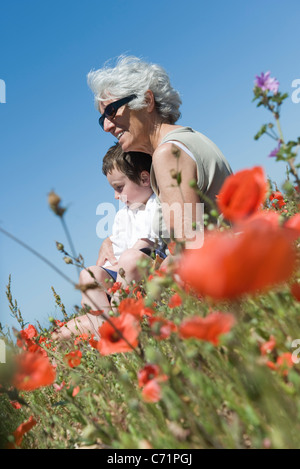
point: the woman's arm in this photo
(181, 205)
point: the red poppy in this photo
(209, 328)
(115, 287)
(161, 328)
(112, 342)
(271, 365)
(268, 346)
(27, 341)
(45, 342)
(81, 338)
(25, 337)
(33, 371)
(59, 323)
(75, 391)
(16, 405)
(93, 343)
(152, 391)
(230, 265)
(283, 363)
(266, 216)
(242, 193)
(172, 247)
(149, 372)
(277, 199)
(175, 301)
(25, 427)
(293, 225)
(295, 290)
(73, 359)
(161, 273)
(35, 348)
(134, 307)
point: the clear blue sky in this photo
(49, 135)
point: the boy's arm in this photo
(106, 252)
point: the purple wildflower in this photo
(265, 82)
(276, 150)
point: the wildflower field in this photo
(200, 355)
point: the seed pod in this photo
(68, 260)
(54, 201)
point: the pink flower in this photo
(265, 82)
(276, 150)
(58, 387)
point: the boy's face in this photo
(129, 192)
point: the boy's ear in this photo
(145, 178)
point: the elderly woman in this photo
(139, 107)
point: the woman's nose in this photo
(108, 126)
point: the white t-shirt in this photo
(131, 225)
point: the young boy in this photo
(129, 175)
(132, 236)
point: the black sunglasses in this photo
(111, 110)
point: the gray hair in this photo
(133, 76)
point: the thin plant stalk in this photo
(50, 264)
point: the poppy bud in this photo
(176, 152)
(68, 260)
(173, 173)
(54, 201)
(122, 272)
(193, 183)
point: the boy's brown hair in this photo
(130, 163)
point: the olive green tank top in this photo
(212, 167)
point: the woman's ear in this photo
(145, 178)
(150, 101)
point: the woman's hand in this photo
(106, 253)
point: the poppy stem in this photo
(290, 160)
(69, 240)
